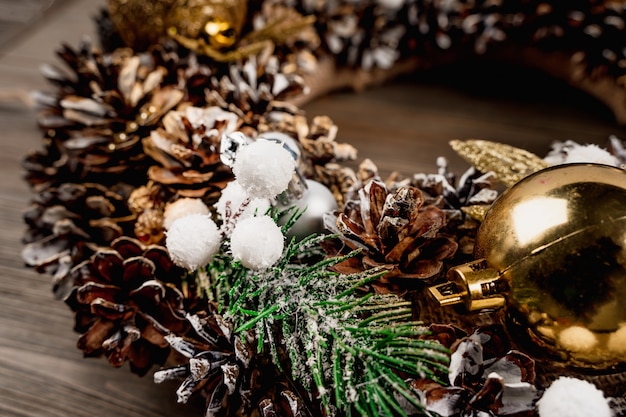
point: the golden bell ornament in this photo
(553, 248)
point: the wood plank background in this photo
(402, 126)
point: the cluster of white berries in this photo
(572, 397)
(262, 170)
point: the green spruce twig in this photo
(353, 349)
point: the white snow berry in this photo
(264, 169)
(183, 207)
(192, 240)
(571, 397)
(257, 242)
(577, 339)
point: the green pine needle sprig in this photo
(351, 348)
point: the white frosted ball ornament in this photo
(257, 242)
(316, 201)
(577, 339)
(183, 207)
(264, 168)
(571, 397)
(192, 241)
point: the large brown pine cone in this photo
(127, 299)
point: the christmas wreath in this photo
(202, 229)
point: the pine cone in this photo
(187, 150)
(593, 31)
(248, 88)
(465, 200)
(101, 109)
(226, 369)
(360, 34)
(127, 299)
(66, 224)
(486, 375)
(395, 230)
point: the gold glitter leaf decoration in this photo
(508, 163)
(476, 212)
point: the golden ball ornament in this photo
(553, 248)
(142, 23)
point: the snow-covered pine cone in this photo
(224, 367)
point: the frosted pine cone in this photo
(224, 367)
(249, 87)
(395, 230)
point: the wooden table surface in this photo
(402, 126)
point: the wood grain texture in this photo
(403, 126)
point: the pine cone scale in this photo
(92, 291)
(91, 341)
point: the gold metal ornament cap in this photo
(558, 239)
